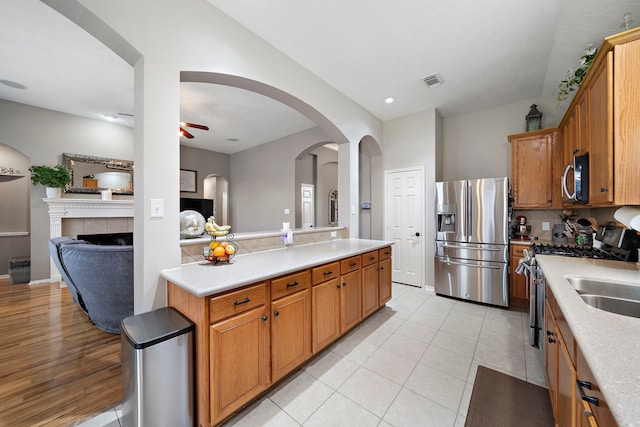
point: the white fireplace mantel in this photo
(62, 208)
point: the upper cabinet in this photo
(604, 121)
(532, 169)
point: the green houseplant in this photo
(54, 178)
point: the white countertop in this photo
(610, 342)
(205, 278)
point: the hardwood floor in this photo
(55, 367)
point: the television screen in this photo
(204, 206)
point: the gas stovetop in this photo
(572, 251)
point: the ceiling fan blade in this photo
(185, 133)
(193, 125)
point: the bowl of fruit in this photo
(221, 251)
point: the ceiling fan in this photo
(184, 133)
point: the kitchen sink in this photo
(612, 296)
(626, 307)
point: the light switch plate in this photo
(156, 208)
(545, 226)
(286, 211)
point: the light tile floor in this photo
(413, 363)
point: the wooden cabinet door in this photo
(583, 132)
(566, 390)
(350, 300)
(370, 289)
(518, 290)
(551, 355)
(240, 365)
(290, 333)
(531, 170)
(626, 110)
(384, 281)
(601, 132)
(325, 314)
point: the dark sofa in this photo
(99, 277)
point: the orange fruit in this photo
(224, 244)
(219, 251)
(230, 249)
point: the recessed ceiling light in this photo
(390, 99)
(13, 84)
(233, 139)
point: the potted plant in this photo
(53, 178)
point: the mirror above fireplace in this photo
(91, 174)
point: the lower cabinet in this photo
(240, 365)
(384, 276)
(575, 396)
(370, 283)
(290, 333)
(250, 338)
(350, 301)
(518, 291)
(325, 314)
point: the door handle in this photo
(417, 234)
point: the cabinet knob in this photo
(549, 333)
(551, 340)
(276, 313)
(603, 190)
(581, 386)
(338, 286)
(264, 318)
(344, 284)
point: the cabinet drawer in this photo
(325, 272)
(517, 251)
(237, 301)
(369, 258)
(350, 264)
(384, 253)
(290, 284)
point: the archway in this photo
(14, 206)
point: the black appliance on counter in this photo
(616, 244)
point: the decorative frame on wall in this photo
(188, 181)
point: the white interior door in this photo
(308, 207)
(405, 218)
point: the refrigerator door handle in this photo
(447, 245)
(448, 262)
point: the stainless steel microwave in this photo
(579, 170)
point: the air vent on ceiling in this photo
(433, 80)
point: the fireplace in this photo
(74, 217)
(108, 238)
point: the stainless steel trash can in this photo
(157, 369)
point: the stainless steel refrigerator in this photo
(472, 240)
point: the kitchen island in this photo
(608, 342)
(264, 314)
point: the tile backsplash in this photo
(535, 218)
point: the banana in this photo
(218, 227)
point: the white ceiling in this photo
(488, 52)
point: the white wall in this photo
(476, 144)
(411, 141)
(263, 182)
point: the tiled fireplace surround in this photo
(71, 217)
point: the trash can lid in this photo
(147, 329)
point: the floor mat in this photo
(500, 400)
